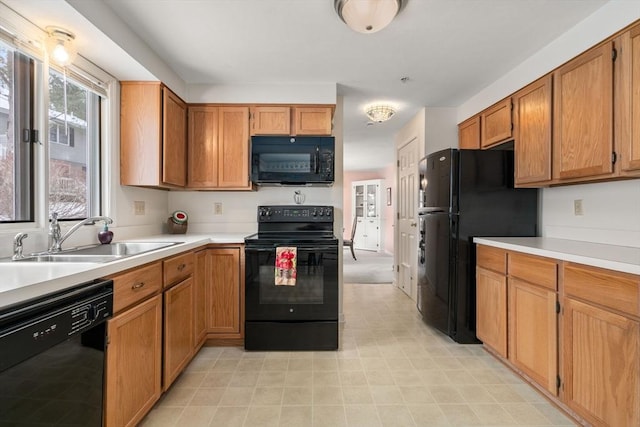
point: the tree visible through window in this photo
(73, 146)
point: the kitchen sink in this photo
(69, 258)
(97, 253)
(120, 249)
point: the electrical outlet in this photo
(577, 207)
(217, 208)
(138, 207)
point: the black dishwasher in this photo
(52, 357)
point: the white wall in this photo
(610, 209)
(440, 129)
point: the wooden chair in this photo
(349, 242)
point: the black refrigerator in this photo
(464, 194)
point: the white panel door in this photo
(407, 217)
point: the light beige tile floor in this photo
(391, 370)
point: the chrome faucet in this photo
(55, 234)
(17, 245)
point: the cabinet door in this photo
(601, 365)
(469, 134)
(533, 332)
(491, 310)
(203, 147)
(178, 330)
(201, 276)
(533, 132)
(270, 120)
(174, 147)
(627, 108)
(140, 137)
(312, 121)
(134, 363)
(583, 115)
(360, 238)
(233, 137)
(224, 292)
(497, 124)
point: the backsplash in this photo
(611, 213)
(239, 209)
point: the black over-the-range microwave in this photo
(292, 160)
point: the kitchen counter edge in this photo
(22, 282)
(625, 259)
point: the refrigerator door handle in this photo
(429, 211)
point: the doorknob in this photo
(413, 224)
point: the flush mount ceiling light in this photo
(60, 46)
(379, 112)
(367, 16)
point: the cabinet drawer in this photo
(492, 258)
(619, 291)
(533, 269)
(136, 285)
(177, 268)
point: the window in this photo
(74, 148)
(16, 149)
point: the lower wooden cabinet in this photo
(491, 315)
(533, 332)
(200, 280)
(224, 293)
(584, 352)
(178, 329)
(602, 365)
(134, 363)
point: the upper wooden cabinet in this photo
(270, 120)
(219, 148)
(295, 120)
(312, 121)
(469, 134)
(497, 124)
(533, 126)
(627, 106)
(153, 136)
(583, 115)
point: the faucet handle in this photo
(17, 245)
(19, 238)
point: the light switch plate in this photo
(577, 207)
(138, 207)
(217, 208)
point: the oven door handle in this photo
(302, 248)
(317, 160)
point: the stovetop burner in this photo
(293, 224)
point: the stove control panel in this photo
(295, 213)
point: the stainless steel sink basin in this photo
(120, 249)
(98, 253)
(69, 258)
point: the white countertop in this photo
(21, 281)
(620, 258)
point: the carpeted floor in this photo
(371, 267)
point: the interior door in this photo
(407, 234)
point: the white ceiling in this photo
(449, 49)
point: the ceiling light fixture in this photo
(380, 112)
(367, 16)
(60, 46)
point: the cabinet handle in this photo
(137, 285)
(181, 267)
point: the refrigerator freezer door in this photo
(436, 180)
